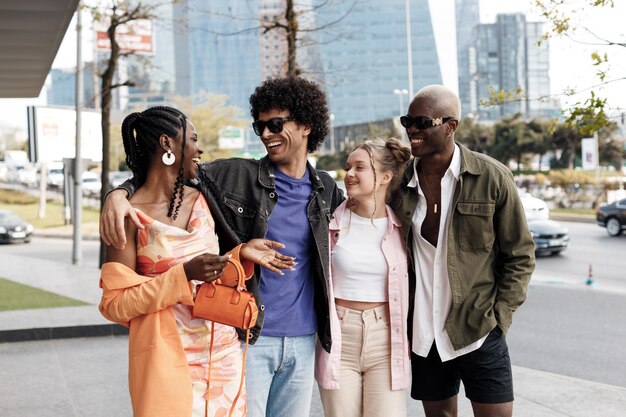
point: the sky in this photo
(570, 62)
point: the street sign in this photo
(135, 36)
(231, 137)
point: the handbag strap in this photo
(241, 274)
(243, 374)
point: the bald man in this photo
(472, 257)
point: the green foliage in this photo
(475, 136)
(590, 115)
(14, 296)
(514, 139)
(567, 177)
(209, 114)
(499, 97)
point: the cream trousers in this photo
(365, 376)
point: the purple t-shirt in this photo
(288, 298)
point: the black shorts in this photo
(485, 372)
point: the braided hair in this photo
(141, 132)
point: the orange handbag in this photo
(233, 306)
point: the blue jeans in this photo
(279, 376)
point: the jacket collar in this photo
(341, 210)
(469, 162)
(266, 174)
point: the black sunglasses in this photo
(275, 125)
(421, 122)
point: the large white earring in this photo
(168, 158)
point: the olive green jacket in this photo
(491, 254)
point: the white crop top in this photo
(359, 266)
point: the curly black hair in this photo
(140, 135)
(305, 101)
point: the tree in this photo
(295, 23)
(510, 140)
(209, 117)
(114, 14)
(566, 145)
(475, 136)
(592, 113)
(541, 132)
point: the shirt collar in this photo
(454, 168)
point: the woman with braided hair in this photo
(367, 370)
(179, 364)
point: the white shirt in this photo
(433, 296)
(359, 266)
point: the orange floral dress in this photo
(160, 247)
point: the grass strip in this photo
(14, 296)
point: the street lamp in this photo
(332, 133)
(400, 93)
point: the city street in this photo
(589, 245)
(565, 328)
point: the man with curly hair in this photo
(283, 198)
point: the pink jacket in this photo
(327, 364)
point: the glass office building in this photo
(508, 57)
(467, 19)
(364, 57)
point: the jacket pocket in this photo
(475, 231)
(240, 214)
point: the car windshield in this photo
(9, 218)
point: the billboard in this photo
(52, 134)
(589, 155)
(135, 36)
(231, 138)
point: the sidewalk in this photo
(538, 394)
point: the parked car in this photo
(91, 184)
(613, 217)
(54, 175)
(13, 228)
(116, 178)
(535, 208)
(550, 237)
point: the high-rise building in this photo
(61, 88)
(360, 58)
(217, 49)
(507, 58)
(364, 57)
(467, 19)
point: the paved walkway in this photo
(42, 351)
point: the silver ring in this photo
(215, 273)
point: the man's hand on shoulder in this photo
(115, 209)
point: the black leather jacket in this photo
(245, 194)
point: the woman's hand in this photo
(261, 251)
(206, 267)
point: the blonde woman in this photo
(367, 371)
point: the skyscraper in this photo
(359, 58)
(467, 19)
(508, 57)
(217, 49)
(61, 89)
(364, 57)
